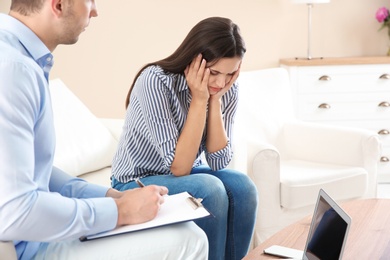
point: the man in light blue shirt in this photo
(42, 209)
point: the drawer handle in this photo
(325, 78)
(385, 76)
(384, 132)
(384, 104)
(324, 106)
(384, 159)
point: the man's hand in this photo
(140, 205)
(113, 193)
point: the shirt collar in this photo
(31, 42)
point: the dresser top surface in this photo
(336, 61)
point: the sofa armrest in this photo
(114, 125)
(264, 170)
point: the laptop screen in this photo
(328, 230)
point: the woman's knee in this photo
(250, 189)
(240, 186)
(211, 189)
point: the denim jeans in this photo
(229, 195)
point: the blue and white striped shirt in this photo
(155, 118)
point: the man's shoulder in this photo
(13, 52)
(11, 48)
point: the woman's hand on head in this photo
(197, 76)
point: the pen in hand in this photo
(141, 185)
(139, 182)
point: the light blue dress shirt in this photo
(38, 202)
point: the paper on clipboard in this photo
(176, 208)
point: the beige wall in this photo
(128, 34)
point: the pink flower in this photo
(382, 14)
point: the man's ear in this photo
(56, 7)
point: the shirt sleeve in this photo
(72, 187)
(221, 159)
(29, 210)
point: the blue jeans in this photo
(228, 194)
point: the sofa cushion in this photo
(301, 181)
(100, 177)
(84, 144)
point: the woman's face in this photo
(221, 73)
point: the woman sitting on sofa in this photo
(177, 109)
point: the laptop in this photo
(327, 235)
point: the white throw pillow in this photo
(84, 144)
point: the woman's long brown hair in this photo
(214, 38)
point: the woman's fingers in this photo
(196, 62)
(197, 76)
(201, 70)
(206, 76)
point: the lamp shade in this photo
(310, 1)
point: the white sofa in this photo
(85, 144)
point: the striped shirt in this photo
(155, 117)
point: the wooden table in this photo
(368, 238)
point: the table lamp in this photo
(309, 6)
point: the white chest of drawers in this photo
(345, 91)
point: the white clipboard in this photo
(176, 208)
